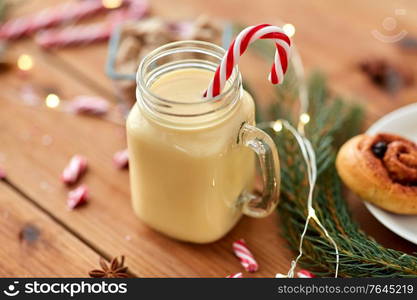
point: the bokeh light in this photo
(304, 118)
(277, 126)
(52, 101)
(25, 62)
(111, 4)
(289, 29)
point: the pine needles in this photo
(332, 122)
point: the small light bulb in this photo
(52, 101)
(289, 29)
(25, 62)
(112, 4)
(304, 118)
(277, 126)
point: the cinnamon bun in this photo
(381, 169)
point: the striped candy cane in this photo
(48, 17)
(88, 105)
(73, 35)
(247, 259)
(121, 159)
(237, 275)
(77, 197)
(239, 46)
(304, 274)
(76, 167)
(87, 34)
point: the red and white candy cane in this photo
(48, 17)
(304, 274)
(73, 35)
(121, 159)
(237, 275)
(88, 105)
(87, 34)
(76, 167)
(246, 257)
(239, 46)
(77, 197)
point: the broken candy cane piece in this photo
(88, 105)
(300, 274)
(77, 197)
(237, 275)
(121, 159)
(76, 167)
(304, 274)
(246, 257)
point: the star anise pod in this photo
(386, 75)
(115, 269)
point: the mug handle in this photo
(264, 147)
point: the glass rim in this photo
(217, 50)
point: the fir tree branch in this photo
(332, 122)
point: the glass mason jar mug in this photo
(192, 160)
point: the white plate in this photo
(402, 122)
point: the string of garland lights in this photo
(308, 154)
(323, 123)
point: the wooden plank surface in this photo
(332, 36)
(94, 224)
(33, 244)
(37, 142)
(108, 222)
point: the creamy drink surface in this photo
(186, 180)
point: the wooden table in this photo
(40, 237)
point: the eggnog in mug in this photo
(192, 160)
